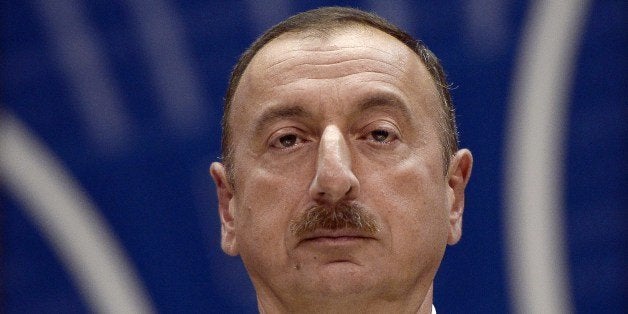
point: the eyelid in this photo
(278, 134)
(382, 124)
(394, 134)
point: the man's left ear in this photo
(458, 176)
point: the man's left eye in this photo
(381, 136)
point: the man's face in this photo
(349, 119)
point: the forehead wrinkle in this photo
(326, 71)
(326, 58)
(324, 53)
(297, 82)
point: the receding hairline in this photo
(330, 33)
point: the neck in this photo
(267, 305)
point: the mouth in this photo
(335, 237)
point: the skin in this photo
(349, 117)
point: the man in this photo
(341, 182)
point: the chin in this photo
(343, 279)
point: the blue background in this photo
(150, 179)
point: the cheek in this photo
(411, 197)
(270, 190)
(265, 202)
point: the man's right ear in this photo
(226, 209)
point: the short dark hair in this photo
(329, 18)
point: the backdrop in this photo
(109, 119)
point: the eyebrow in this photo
(386, 101)
(282, 112)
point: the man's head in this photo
(337, 131)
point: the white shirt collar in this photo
(433, 309)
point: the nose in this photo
(334, 180)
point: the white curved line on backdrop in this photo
(162, 35)
(70, 222)
(82, 59)
(535, 157)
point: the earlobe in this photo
(457, 179)
(226, 209)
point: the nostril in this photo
(334, 189)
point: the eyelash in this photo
(276, 141)
(391, 132)
(389, 136)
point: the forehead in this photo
(351, 57)
(354, 45)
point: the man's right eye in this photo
(286, 141)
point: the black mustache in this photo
(341, 216)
